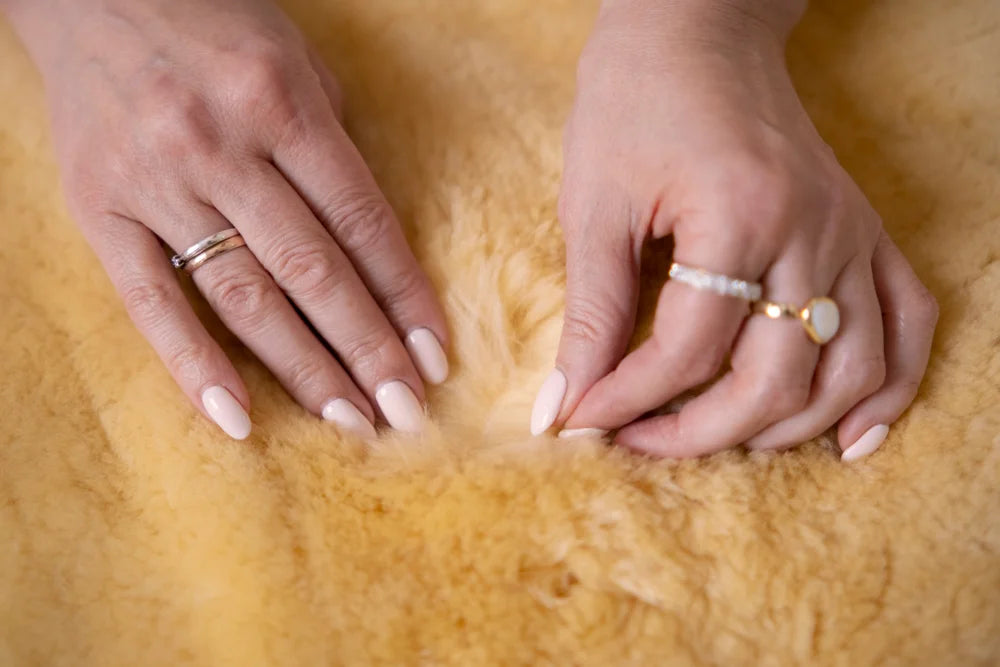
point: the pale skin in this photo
(175, 119)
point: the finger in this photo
(329, 84)
(144, 279)
(250, 304)
(909, 315)
(602, 284)
(773, 363)
(328, 173)
(851, 366)
(693, 332)
(313, 271)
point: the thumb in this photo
(602, 286)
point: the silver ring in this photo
(214, 251)
(715, 282)
(180, 260)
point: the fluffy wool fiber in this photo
(133, 533)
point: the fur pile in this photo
(133, 532)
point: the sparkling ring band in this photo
(820, 317)
(715, 282)
(207, 248)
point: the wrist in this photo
(47, 27)
(32, 21)
(733, 22)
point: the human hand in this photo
(175, 119)
(686, 123)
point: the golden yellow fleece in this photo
(133, 533)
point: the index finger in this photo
(692, 334)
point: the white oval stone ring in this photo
(820, 317)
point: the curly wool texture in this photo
(133, 532)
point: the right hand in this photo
(176, 119)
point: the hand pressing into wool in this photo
(686, 123)
(178, 119)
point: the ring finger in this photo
(851, 367)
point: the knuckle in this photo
(259, 73)
(367, 353)
(188, 361)
(693, 359)
(865, 377)
(305, 269)
(261, 82)
(926, 308)
(908, 387)
(148, 302)
(179, 125)
(306, 377)
(245, 297)
(753, 190)
(779, 400)
(406, 286)
(359, 221)
(699, 361)
(584, 329)
(590, 322)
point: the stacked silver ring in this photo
(207, 248)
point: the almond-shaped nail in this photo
(226, 411)
(866, 444)
(346, 415)
(428, 355)
(548, 402)
(400, 406)
(582, 433)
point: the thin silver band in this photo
(214, 251)
(181, 259)
(715, 282)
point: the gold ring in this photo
(820, 317)
(232, 243)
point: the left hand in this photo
(686, 123)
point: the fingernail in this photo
(227, 412)
(344, 414)
(582, 433)
(400, 406)
(428, 355)
(866, 444)
(548, 402)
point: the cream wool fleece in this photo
(132, 532)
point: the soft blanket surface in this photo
(133, 533)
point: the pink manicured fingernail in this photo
(400, 406)
(344, 414)
(866, 444)
(227, 412)
(428, 355)
(548, 402)
(582, 433)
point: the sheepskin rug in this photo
(133, 533)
